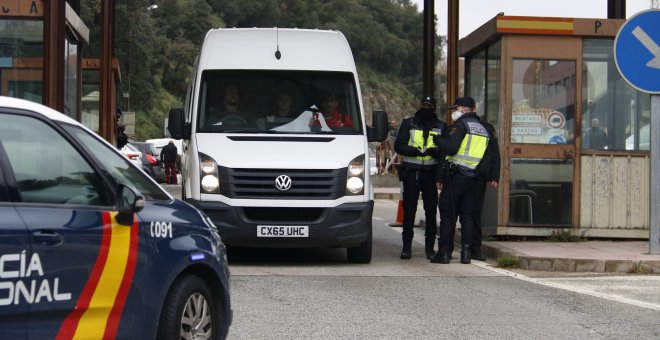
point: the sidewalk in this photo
(590, 256)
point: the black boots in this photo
(429, 243)
(465, 254)
(442, 256)
(406, 251)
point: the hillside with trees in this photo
(156, 48)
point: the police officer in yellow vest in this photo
(465, 145)
(415, 142)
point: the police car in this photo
(91, 247)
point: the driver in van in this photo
(230, 111)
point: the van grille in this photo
(283, 215)
(312, 184)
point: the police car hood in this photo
(281, 151)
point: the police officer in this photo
(415, 143)
(465, 146)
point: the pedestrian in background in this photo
(168, 156)
(465, 145)
(415, 144)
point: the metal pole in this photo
(428, 63)
(452, 53)
(654, 225)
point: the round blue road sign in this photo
(637, 51)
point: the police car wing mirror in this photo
(378, 132)
(130, 202)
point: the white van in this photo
(273, 172)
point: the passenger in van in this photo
(283, 112)
(333, 117)
(229, 112)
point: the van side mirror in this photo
(176, 124)
(378, 132)
(130, 202)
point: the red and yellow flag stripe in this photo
(534, 25)
(100, 305)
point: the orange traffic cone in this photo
(399, 213)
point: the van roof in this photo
(254, 48)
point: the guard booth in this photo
(573, 135)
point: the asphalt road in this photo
(315, 294)
(303, 294)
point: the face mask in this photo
(427, 112)
(455, 115)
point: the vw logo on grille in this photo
(283, 183)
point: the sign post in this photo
(637, 56)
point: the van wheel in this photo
(189, 311)
(361, 253)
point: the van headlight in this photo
(208, 175)
(355, 176)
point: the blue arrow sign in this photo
(637, 51)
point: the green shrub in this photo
(507, 262)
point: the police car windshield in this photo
(118, 167)
(276, 101)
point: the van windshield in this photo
(267, 101)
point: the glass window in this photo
(71, 62)
(493, 84)
(46, 166)
(117, 166)
(541, 191)
(539, 117)
(477, 80)
(21, 59)
(90, 100)
(615, 115)
(279, 102)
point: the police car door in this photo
(14, 246)
(64, 204)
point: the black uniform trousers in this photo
(459, 200)
(475, 245)
(414, 182)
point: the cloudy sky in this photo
(474, 13)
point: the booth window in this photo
(71, 81)
(543, 116)
(615, 115)
(483, 82)
(21, 59)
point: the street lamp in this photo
(152, 5)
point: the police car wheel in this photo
(189, 312)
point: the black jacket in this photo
(168, 153)
(492, 157)
(401, 146)
(451, 141)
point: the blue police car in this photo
(91, 247)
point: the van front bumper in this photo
(346, 225)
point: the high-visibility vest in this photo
(417, 141)
(473, 146)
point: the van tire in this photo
(361, 253)
(181, 298)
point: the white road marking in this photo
(548, 283)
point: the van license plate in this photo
(282, 231)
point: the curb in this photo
(571, 265)
(387, 196)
